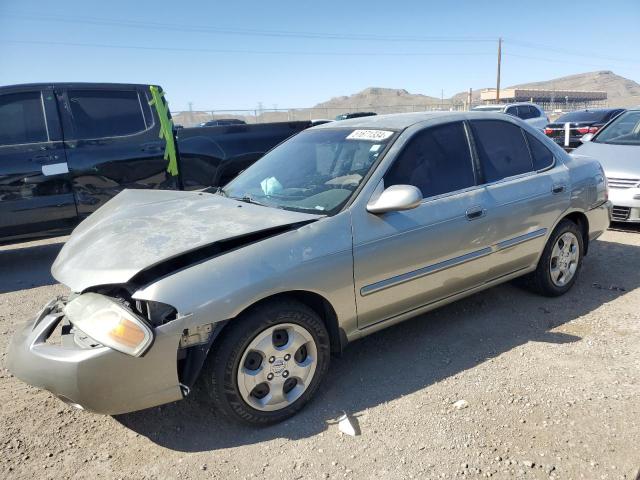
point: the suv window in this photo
(105, 113)
(512, 111)
(436, 160)
(501, 148)
(22, 119)
(524, 112)
(541, 155)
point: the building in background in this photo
(550, 100)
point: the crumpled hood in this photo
(141, 228)
(616, 160)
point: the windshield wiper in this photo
(246, 199)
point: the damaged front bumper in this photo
(91, 376)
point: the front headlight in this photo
(109, 323)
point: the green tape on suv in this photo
(166, 129)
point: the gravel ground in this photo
(550, 389)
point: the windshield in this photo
(583, 116)
(624, 130)
(317, 170)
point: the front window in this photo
(624, 130)
(315, 171)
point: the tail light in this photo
(548, 131)
(585, 130)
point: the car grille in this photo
(620, 213)
(622, 182)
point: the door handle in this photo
(41, 159)
(153, 148)
(558, 188)
(475, 212)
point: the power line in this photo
(553, 60)
(250, 52)
(551, 48)
(242, 31)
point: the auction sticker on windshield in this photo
(373, 135)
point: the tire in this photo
(546, 280)
(282, 344)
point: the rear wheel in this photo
(268, 363)
(560, 262)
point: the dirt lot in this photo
(552, 387)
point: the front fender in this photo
(316, 257)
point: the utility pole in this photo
(191, 113)
(499, 62)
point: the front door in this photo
(35, 186)
(408, 259)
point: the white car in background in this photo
(617, 147)
(529, 112)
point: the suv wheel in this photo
(268, 363)
(560, 262)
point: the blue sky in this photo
(234, 54)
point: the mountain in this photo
(382, 100)
(621, 91)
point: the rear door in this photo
(35, 186)
(526, 188)
(112, 143)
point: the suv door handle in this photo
(558, 188)
(475, 212)
(152, 147)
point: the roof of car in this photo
(400, 121)
(595, 110)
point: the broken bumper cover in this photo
(98, 378)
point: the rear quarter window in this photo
(501, 149)
(22, 119)
(105, 113)
(541, 156)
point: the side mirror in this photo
(396, 198)
(586, 137)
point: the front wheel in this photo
(268, 363)
(560, 262)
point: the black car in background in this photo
(67, 148)
(346, 116)
(581, 123)
(222, 122)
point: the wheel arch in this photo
(318, 304)
(580, 219)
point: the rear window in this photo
(583, 116)
(501, 148)
(22, 119)
(105, 113)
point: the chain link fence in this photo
(192, 118)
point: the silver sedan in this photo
(343, 230)
(617, 148)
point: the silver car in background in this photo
(617, 148)
(340, 231)
(529, 112)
